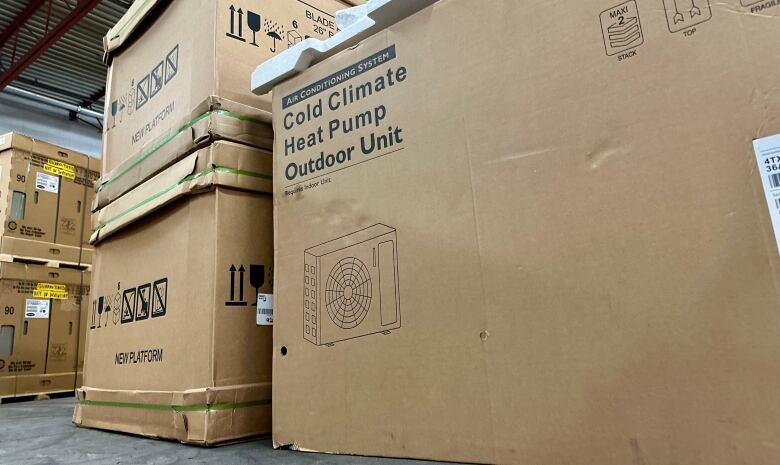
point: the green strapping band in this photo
(199, 174)
(130, 19)
(178, 408)
(171, 136)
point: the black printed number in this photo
(8, 310)
(21, 178)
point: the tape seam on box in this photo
(173, 135)
(178, 408)
(210, 170)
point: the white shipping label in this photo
(768, 158)
(265, 309)
(36, 308)
(47, 182)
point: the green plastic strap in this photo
(178, 408)
(199, 174)
(130, 19)
(173, 135)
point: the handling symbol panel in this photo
(621, 28)
(682, 14)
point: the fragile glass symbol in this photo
(253, 21)
(256, 278)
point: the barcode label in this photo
(36, 308)
(774, 180)
(768, 158)
(265, 309)
(46, 182)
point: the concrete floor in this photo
(40, 433)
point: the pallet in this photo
(36, 397)
(45, 262)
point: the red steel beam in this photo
(20, 19)
(82, 8)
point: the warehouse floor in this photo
(40, 432)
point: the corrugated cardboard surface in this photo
(162, 70)
(213, 120)
(186, 322)
(585, 268)
(46, 192)
(43, 355)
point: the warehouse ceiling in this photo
(54, 49)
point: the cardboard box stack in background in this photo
(527, 250)
(45, 191)
(178, 346)
(39, 328)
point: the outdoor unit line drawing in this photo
(350, 286)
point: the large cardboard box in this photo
(45, 197)
(169, 57)
(174, 348)
(39, 317)
(512, 245)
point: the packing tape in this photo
(207, 171)
(178, 408)
(170, 137)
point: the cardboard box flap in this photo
(356, 24)
(213, 119)
(222, 163)
(127, 24)
(23, 271)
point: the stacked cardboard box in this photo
(513, 247)
(45, 191)
(179, 338)
(40, 339)
(171, 92)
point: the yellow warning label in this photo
(50, 291)
(60, 168)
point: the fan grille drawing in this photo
(348, 293)
(350, 286)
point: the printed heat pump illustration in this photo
(350, 286)
(682, 14)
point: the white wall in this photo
(48, 124)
